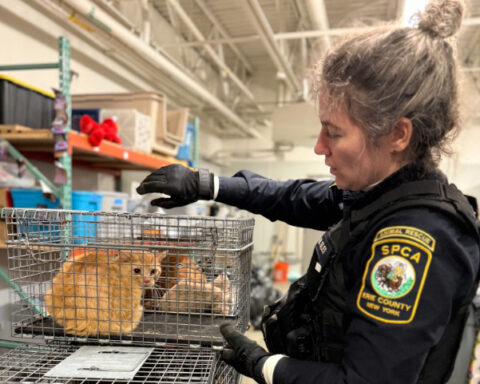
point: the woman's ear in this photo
(401, 135)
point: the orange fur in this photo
(100, 294)
(183, 287)
(176, 267)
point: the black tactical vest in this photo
(310, 323)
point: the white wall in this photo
(463, 168)
(29, 36)
(302, 163)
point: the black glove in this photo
(243, 354)
(180, 183)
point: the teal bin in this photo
(185, 151)
(32, 198)
(85, 226)
(36, 230)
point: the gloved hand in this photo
(180, 183)
(243, 354)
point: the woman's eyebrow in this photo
(329, 124)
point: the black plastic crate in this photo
(24, 105)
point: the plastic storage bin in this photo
(114, 202)
(32, 198)
(85, 227)
(24, 104)
(185, 150)
(133, 127)
(176, 126)
(149, 103)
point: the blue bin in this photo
(85, 226)
(185, 150)
(32, 198)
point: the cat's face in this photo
(144, 266)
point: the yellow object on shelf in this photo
(26, 85)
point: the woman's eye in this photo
(332, 135)
(137, 270)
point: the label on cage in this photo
(103, 362)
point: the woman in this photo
(386, 295)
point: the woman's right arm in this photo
(304, 203)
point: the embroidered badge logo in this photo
(395, 274)
(393, 277)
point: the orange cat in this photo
(101, 294)
(183, 287)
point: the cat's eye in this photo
(137, 270)
(153, 271)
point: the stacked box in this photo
(133, 127)
(149, 103)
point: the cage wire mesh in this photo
(32, 364)
(109, 278)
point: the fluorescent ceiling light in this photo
(410, 8)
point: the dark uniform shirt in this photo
(404, 279)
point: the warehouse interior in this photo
(238, 73)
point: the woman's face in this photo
(355, 163)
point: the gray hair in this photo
(384, 74)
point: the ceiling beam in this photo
(261, 24)
(208, 49)
(319, 18)
(201, 4)
(299, 35)
(134, 45)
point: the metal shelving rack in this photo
(64, 193)
(110, 155)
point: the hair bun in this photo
(441, 18)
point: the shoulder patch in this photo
(395, 274)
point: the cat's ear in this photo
(221, 281)
(160, 256)
(125, 256)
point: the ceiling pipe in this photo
(299, 35)
(146, 28)
(224, 33)
(106, 22)
(210, 51)
(318, 15)
(265, 31)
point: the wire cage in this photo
(102, 278)
(36, 364)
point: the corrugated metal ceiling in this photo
(231, 23)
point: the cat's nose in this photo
(146, 281)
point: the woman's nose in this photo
(321, 147)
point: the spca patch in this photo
(395, 274)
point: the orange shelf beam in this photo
(79, 142)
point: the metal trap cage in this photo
(38, 364)
(113, 279)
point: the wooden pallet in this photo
(9, 132)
